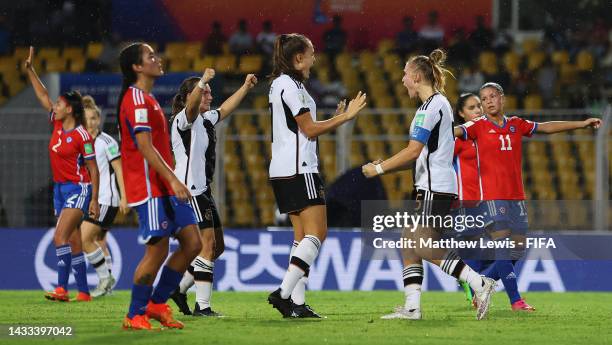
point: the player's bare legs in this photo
(95, 254)
(67, 222)
(190, 246)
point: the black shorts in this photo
(433, 203)
(205, 211)
(297, 192)
(106, 218)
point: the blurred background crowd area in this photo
(554, 60)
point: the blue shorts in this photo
(71, 195)
(163, 217)
(509, 214)
(476, 219)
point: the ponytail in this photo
(286, 46)
(130, 55)
(432, 68)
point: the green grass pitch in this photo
(352, 318)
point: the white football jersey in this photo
(433, 126)
(193, 145)
(292, 151)
(107, 150)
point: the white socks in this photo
(303, 256)
(203, 276)
(413, 280)
(97, 260)
(472, 277)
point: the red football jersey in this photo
(500, 155)
(467, 168)
(139, 111)
(68, 151)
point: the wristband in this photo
(201, 84)
(379, 169)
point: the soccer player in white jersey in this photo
(294, 172)
(431, 146)
(192, 131)
(93, 230)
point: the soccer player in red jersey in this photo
(157, 195)
(75, 177)
(466, 156)
(499, 143)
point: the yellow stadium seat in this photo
(532, 102)
(47, 53)
(343, 61)
(530, 45)
(535, 60)
(76, 65)
(180, 65)
(510, 102)
(8, 64)
(367, 61)
(250, 64)
(21, 53)
(560, 57)
(407, 102)
(487, 62)
(71, 53)
(192, 50)
(567, 74)
(175, 50)
(261, 102)
(512, 62)
(55, 65)
(207, 61)
(393, 63)
(94, 50)
(385, 46)
(384, 102)
(584, 61)
(226, 64)
(321, 61)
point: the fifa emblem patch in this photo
(88, 149)
(141, 116)
(69, 140)
(113, 150)
(512, 129)
(419, 120)
(302, 98)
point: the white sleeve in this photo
(181, 121)
(212, 115)
(294, 97)
(112, 150)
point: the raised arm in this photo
(234, 100)
(41, 91)
(154, 159)
(562, 126)
(192, 106)
(123, 205)
(313, 129)
(400, 161)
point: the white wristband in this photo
(201, 84)
(379, 169)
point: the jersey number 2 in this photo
(54, 147)
(505, 147)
